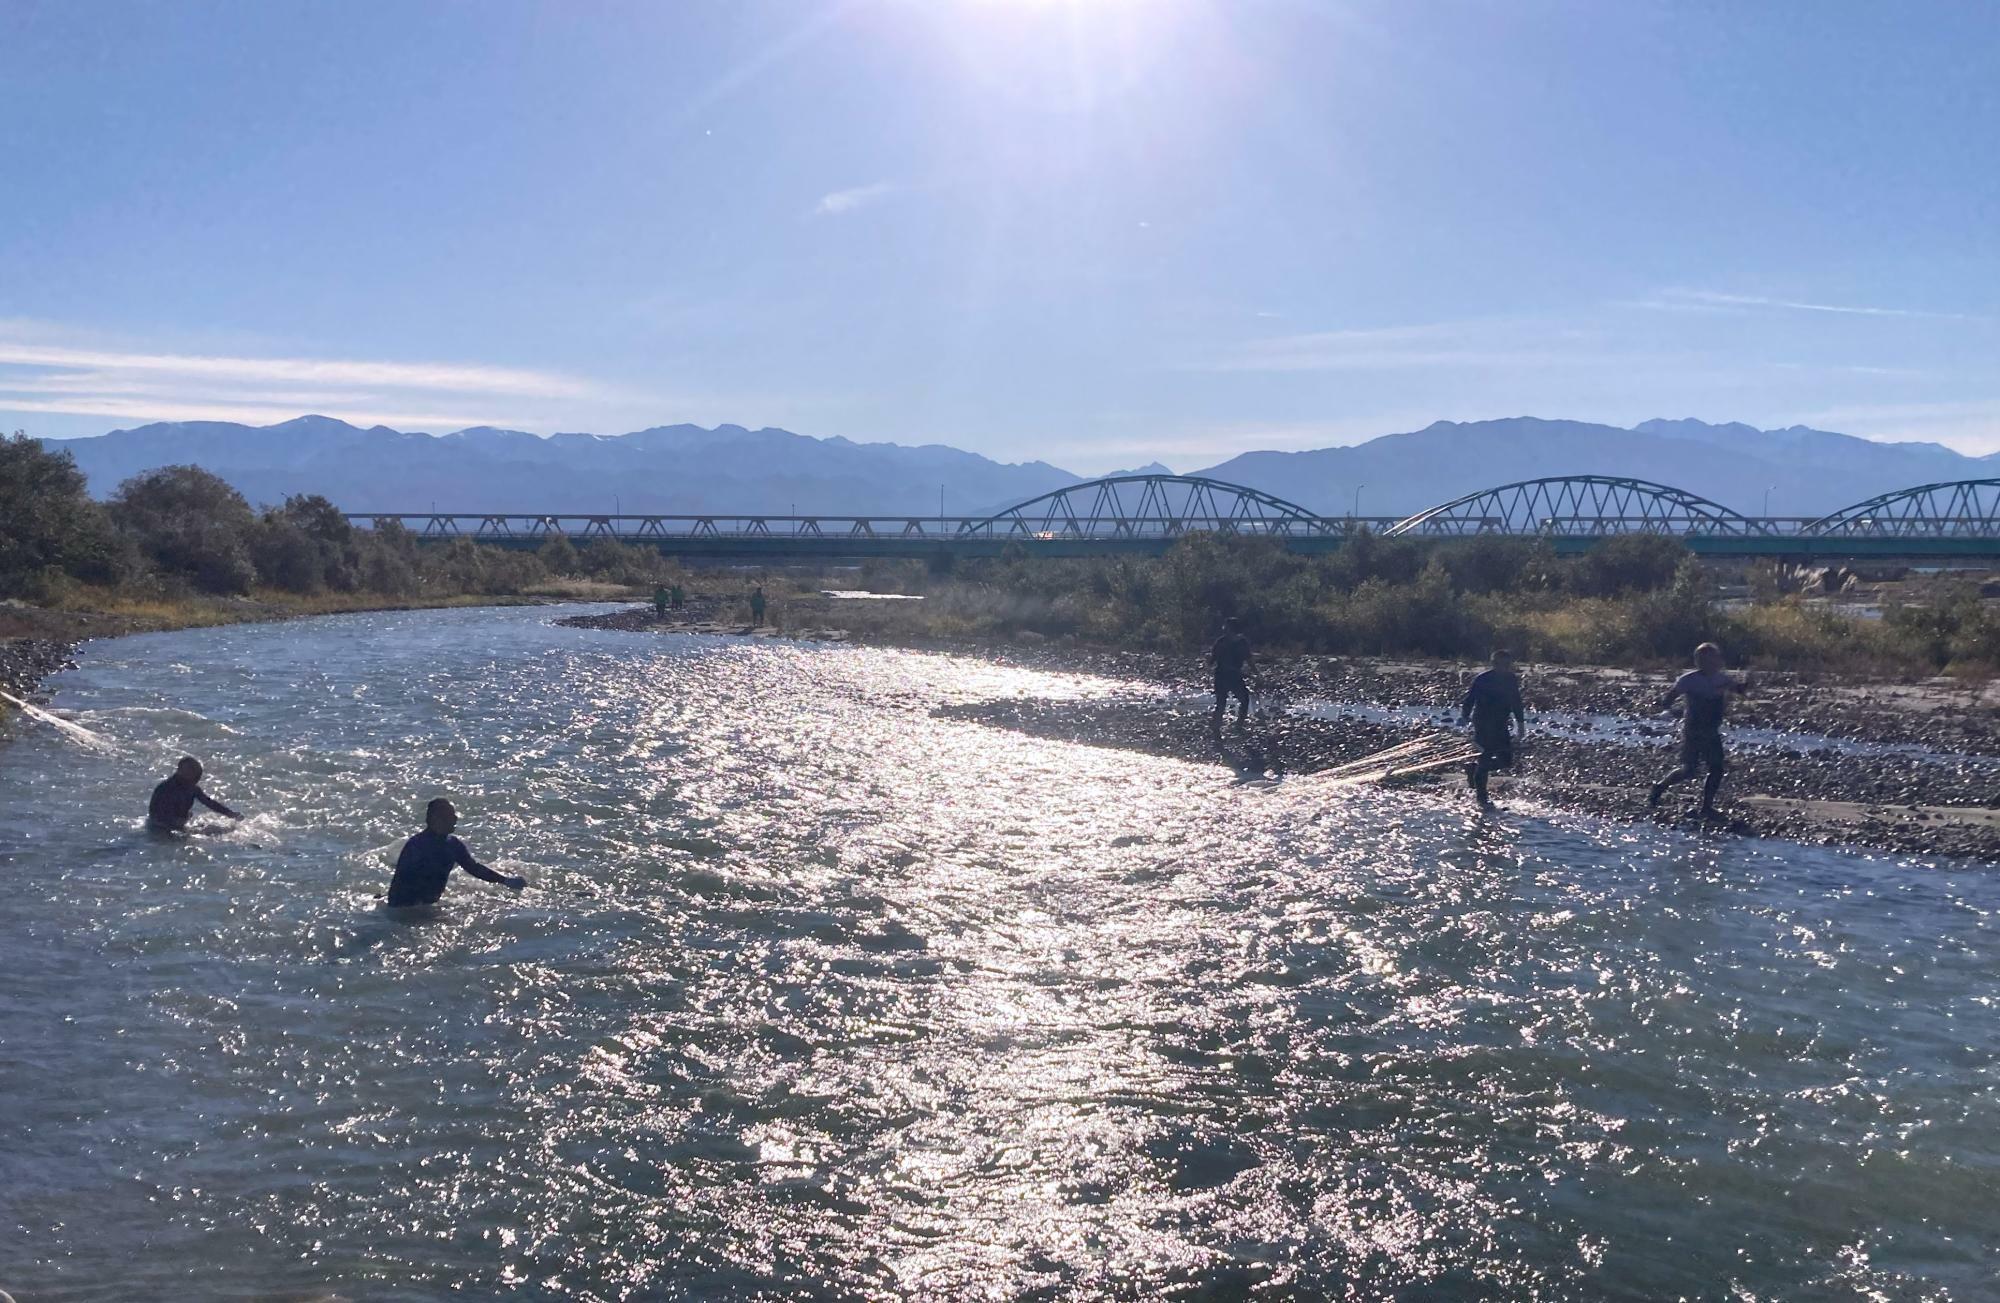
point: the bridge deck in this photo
(858, 537)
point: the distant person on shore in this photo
(660, 600)
(675, 597)
(1707, 690)
(757, 605)
(1493, 699)
(173, 800)
(1231, 655)
(428, 858)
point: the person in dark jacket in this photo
(428, 858)
(173, 800)
(1231, 655)
(1492, 700)
(1707, 690)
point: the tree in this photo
(191, 524)
(306, 545)
(1627, 563)
(559, 555)
(49, 527)
(317, 518)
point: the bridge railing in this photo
(641, 528)
(1470, 526)
(574, 525)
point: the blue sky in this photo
(1092, 231)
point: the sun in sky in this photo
(1096, 231)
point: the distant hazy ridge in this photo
(686, 469)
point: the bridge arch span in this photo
(1586, 505)
(1949, 509)
(1149, 506)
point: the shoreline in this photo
(38, 642)
(1912, 768)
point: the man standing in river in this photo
(428, 858)
(173, 800)
(1490, 702)
(1231, 655)
(1707, 690)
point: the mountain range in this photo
(686, 469)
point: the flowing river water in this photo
(814, 994)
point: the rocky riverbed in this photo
(25, 662)
(1909, 767)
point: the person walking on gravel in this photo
(1707, 688)
(1231, 655)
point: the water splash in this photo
(75, 732)
(821, 993)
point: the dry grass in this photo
(587, 590)
(127, 612)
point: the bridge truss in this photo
(1146, 513)
(1589, 506)
(1954, 509)
(1152, 506)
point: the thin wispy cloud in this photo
(842, 202)
(41, 374)
(149, 410)
(1716, 300)
(246, 370)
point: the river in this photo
(814, 994)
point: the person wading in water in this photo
(1707, 690)
(428, 858)
(1492, 700)
(1231, 655)
(173, 800)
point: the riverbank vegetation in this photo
(1636, 600)
(177, 546)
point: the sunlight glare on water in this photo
(815, 993)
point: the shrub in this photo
(1959, 630)
(559, 557)
(191, 525)
(50, 530)
(286, 556)
(1490, 564)
(1627, 563)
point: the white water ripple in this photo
(816, 994)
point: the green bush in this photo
(559, 557)
(1958, 631)
(286, 556)
(1627, 563)
(51, 533)
(190, 525)
(1494, 564)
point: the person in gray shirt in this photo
(1707, 690)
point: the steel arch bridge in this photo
(1151, 507)
(1952, 509)
(1577, 506)
(1146, 513)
